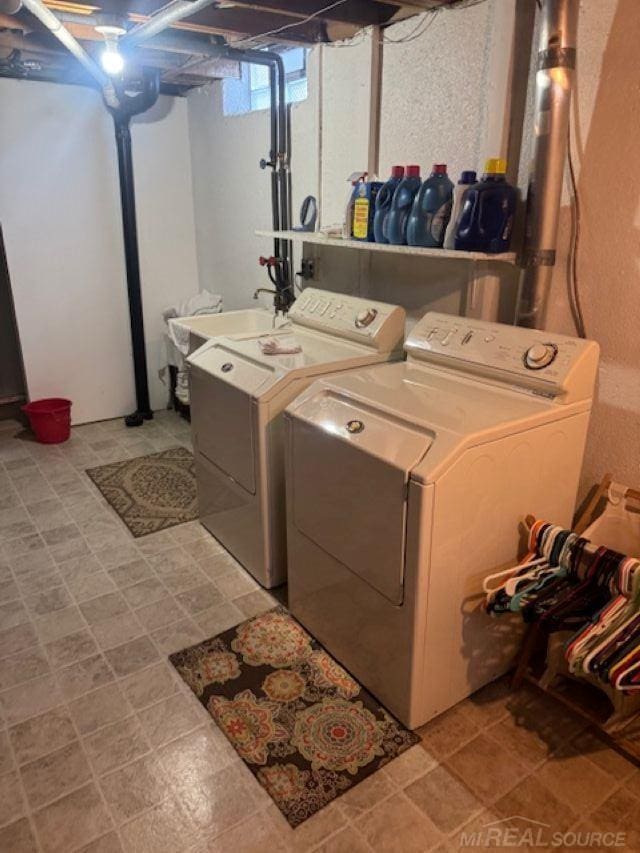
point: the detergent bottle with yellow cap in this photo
(488, 209)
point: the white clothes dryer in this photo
(406, 485)
(238, 395)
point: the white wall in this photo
(232, 196)
(60, 210)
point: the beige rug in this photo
(150, 493)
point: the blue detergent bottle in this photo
(383, 204)
(431, 210)
(488, 210)
(401, 204)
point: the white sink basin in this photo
(247, 322)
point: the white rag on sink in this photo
(273, 346)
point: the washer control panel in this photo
(531, 358)
(374, 324)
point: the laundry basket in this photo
(50, 419)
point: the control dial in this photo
(539, 356)
(366, 317)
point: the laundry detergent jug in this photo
(488, 211)
(401, 204)
(383, 204)
(466, 180)
(431, 210)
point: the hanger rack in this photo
(584, 695)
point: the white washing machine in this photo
(406, 486)
(238, 394)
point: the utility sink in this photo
(249, 321)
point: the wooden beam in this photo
(249, 23)
(375, 99)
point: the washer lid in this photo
(243, 363)
(385, 435)
(447, 410)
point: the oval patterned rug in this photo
(305, 728)
(150, 493)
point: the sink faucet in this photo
(263, 290)
(277, 306)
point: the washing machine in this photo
(238, 394)
(407, 484)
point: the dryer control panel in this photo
(542, 362)
(374, 324)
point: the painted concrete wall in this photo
(232, 196)
(436, 96)
(60, 211)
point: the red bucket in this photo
(50, 419)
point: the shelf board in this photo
(320, 239)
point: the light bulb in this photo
(112, 60)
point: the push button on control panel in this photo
(366, 317)
(539, 356)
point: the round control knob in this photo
(539, 356)
(366, 317)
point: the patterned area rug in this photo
(152, 492)
(305, 728)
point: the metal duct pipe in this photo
(554, 82)
(51, 22)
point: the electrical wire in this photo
(416, 33)
(572, 260)
(292, 25)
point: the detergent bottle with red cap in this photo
(431, 210)
(383, 204)
(400, 209)
(488, 210)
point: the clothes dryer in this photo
(406, 486)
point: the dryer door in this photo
(223, 384)
(349, 472)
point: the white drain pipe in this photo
(554, 82)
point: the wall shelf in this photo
(320, 239)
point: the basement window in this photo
(251, 92)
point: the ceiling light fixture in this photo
(111, 27)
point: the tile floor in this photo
(103, 748)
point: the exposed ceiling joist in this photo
(181, 51)
(361, 13)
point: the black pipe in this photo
(280, 183)
(128, 106)
(132, 261)
(273, 156)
